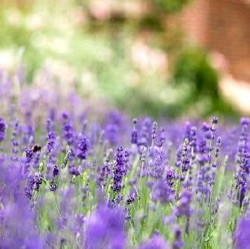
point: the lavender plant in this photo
(70, 180)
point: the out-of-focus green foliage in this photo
(110, 52)
(193, 67)
(171, 5)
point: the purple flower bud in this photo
(244, 121)
(53, 186)
(215, 120)
(73, 171)
(56, 171)
(205, 127)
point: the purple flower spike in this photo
(215, 120)
(82, 148)
(242, 234)
(132, 196)
(105, 229)
(184, 208)
(134, 133)
(178, 244)
(119, 169)
(68, 131)
(56, 171)
(162, 192)
(3, 127)
(51, 137)
(244, 121)
(156, 242)
(73, 170)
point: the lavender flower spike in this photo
(242, 234)
(3, 127)
(105, 229)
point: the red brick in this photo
(223, 26)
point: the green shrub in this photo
(193, 67)
(171, 5)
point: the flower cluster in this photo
(69, 179)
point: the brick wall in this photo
(222, 26)
(194, 19)
(229, 33)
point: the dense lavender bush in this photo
(70, 179)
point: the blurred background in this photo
(171, 58)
